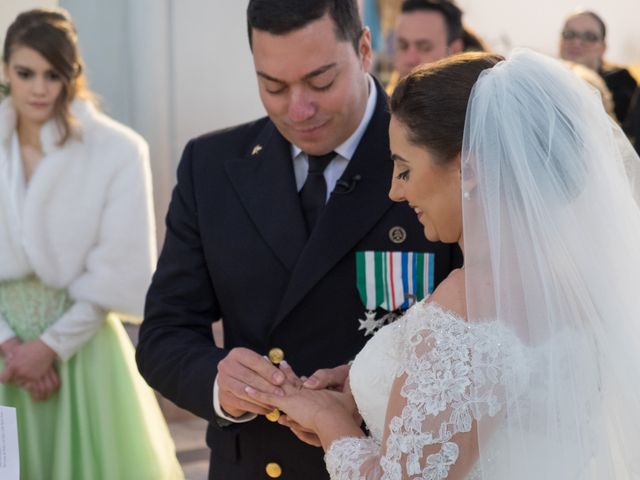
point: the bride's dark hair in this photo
(431, 101)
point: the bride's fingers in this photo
(306, 437)
(289, 375)
(293, 425)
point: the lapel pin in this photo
(256, 149)
(397, 234)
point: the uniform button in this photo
(273, 415)
(273, 470)
(276, 355)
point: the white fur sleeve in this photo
(81, 322)
(119, 266)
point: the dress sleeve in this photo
(448, 378)
(67, 335)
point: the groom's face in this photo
(313, 85)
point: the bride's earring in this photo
(466, 196)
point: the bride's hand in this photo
(303, 434)
(303, 405)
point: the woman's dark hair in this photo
(51, 33)
(280, 17)
(472, 42)
(431, 101)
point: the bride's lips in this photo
(417, 211)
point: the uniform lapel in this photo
(348, 216)
(265, 183)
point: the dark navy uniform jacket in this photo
(237, 250)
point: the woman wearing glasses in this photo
(583, 40)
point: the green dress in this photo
(104, 423)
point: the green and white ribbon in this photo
(394, 280)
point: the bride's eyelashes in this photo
(403, 175)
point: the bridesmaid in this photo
(76, 244)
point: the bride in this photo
(524, 363)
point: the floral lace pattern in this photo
(30, 307)
(452, 373)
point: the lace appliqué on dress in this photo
(453, 373)
(346, 457)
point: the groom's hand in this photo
(239, 369)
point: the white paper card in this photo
(9, 456)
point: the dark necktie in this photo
(314, 191)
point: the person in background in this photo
(281, 229)
(632, 125)
(597, 82)
(76, 243)
(583, 40)
(427, 31)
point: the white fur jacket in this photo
(84, 222)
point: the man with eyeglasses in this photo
(583, 41)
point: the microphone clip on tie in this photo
(344, 187)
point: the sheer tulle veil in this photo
(552, 251)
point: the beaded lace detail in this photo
(30, 307)
(451, 372)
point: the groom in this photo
(272, 230)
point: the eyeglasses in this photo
(587, 36)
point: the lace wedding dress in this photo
(431, 373)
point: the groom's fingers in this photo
(236, 405)
(249, 368)
(243, 367)
(264, 398)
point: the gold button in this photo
(276, 355)
(273, 470)
(273, 415)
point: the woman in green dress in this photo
(77, 248)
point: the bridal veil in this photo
(552, 251)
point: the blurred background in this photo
(173, 69)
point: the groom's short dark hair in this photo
(280, 17)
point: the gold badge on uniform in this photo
(397, 234)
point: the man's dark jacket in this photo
(237, 250)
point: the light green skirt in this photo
(105, 422)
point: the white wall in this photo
(9, 9)
(537, 24)
(215, 84)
